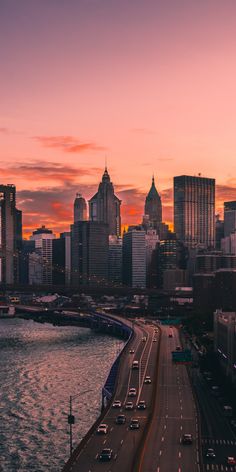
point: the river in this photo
(40, 367)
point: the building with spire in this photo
(153, 208)
(80, 208)
(104, 206)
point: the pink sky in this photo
(149, 84)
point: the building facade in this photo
(134, 258)
(80, 208)
(10, 235)
(115, 260)
(104, 206)
(229, 218)
(43, 238)
(194, 210)
(153, 208)
(89, 253)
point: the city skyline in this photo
(149, 84)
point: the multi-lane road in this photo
(174, 415)
(123, 441)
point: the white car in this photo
(129, 406)
(102, 429)
(116, 404)
(132, 392)
(147, 379)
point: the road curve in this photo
(124, 442)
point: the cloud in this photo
(68, 144)
(46, 172)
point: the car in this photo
(155, 330)
(129, 406)
(132, 392)
(210, 453)
(102, 429)
(135, 365)
(116, 404)
(131, 351)
(231, 460)
(134, 424)
(170, 335)
(141, 405)
(154, 340)
(120, 419)
(187, 438)
(105, 454)
(178, 348)
(147, 379)
(144, 339)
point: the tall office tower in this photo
(194, 210)
(219, 228)
(104, 206)
(153, 207)
(167, 256)
(115, 260)
(134, 258)
(42, 256)
(89, 253)
(229, 218)
(80, 208)
(152, 241)
(10, 234)
(67, 237)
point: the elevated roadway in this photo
(123, 441)
(174, 414)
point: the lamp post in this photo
(71, 417)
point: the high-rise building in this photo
(134, 258)
(89, 253)
(219, 229)
(153, 207)
(115, 260)
(10, 235)
(80, 208)
(104, 206)
(194, 210)
(43, 256)
(152, 241)
(67, 237)
(229, 218)
(167, 256)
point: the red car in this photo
(231, 460)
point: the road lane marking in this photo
(104, 442)
(160, 453)
(122, 440)
(162, 439)
(179, 454)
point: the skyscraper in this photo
(10, 234)
(194, 210)
(134, 258)
(89, 253)
(104, 206)
(153, 207)
(42, 257)
(229, 218)
(80, 208)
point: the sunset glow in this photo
(148, 85)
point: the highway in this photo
(123, 441)
(174, 415)
(216, 430)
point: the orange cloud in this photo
(68, 144)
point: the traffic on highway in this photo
(153, 421)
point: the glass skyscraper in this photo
(194, 210)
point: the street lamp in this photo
(71, 417)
